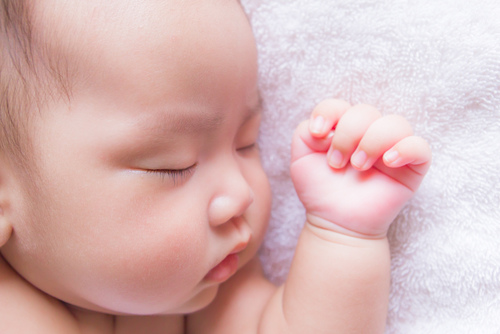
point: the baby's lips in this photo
(224, 270)
(239, 247)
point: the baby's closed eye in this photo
(175, 175)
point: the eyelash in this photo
(175, 174)
(248, 147)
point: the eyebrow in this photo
(193, 121)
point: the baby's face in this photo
(149, 176)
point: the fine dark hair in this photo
(29, 76)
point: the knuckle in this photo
(343, 141)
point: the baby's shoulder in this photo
(238, 306)
(25, 309)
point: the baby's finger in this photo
(304, 143)
(325, 115)
(413, 150)
(383, 134)
(348, 133)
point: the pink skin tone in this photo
(374, 163)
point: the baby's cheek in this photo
(157, 274)
(177, 257)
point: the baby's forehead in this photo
(84, 29)
(82, 32)
(149, 52)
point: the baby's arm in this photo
(24, 309)
(352, 185)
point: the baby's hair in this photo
(28, 76)
(15, 62)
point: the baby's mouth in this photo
(224, 270)
(228, 266)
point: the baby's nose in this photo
(233, 198)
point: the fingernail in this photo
(335, 159)
(317, 124)
(391, 156)
(359, 159)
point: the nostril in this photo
(243, 228)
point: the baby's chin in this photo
(201, 300)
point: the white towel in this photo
(436, 62)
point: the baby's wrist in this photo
(326, 227)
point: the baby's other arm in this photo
(353, 181)
(24, 309)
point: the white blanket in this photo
(436, 62)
